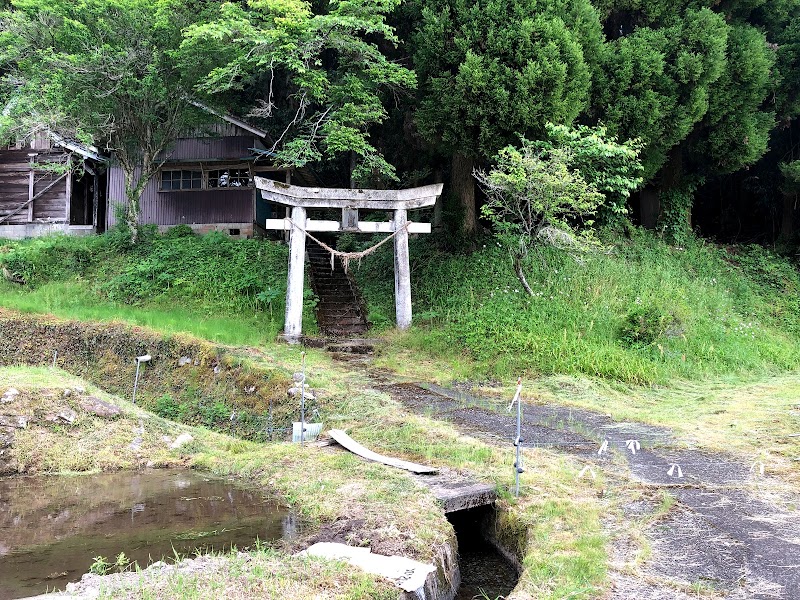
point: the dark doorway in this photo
(87, 200)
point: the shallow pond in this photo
(51, 528)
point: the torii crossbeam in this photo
(300, 199)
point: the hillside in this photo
(711, 331)
(633, 310)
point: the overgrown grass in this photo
(78, 300)
(637, 311)
(225, 290)
(265, 573)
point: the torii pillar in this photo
(350, 201)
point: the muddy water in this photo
(485, 573)
(51, 528)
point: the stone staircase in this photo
(341, 311)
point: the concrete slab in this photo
(455, 493)
(410, 575)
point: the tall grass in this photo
(639, 311)
(215, 287)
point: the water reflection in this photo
(51, 528)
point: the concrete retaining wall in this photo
(32, 230)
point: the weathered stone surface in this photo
(6, 438)
(298, 377)
(67, 393)
(16, 421)
(407, 574)
(455, 493)
(184, 360)
(100, 408)
(67, 415)
(294, 392)
(9, 396)
(182, 439)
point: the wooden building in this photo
(51, 185)
(207, 181)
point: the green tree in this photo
(491, 70)
(101, 71)
(612, 168)
(320, 77)
(781, 20)
(693, 84)
(532, 188)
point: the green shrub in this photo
(168, 408)
(640, 311)
(179, 231)
(53, 258)
(646, 324)
(215, 269)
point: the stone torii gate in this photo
(300, 199)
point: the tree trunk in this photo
(675, 197)
(521, 274)
(134, 188)
(352, 168)
(787, 217)
(438, 219)
(649, 207)
(464, 188)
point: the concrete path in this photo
(725, 536)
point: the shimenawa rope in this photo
(348, 256)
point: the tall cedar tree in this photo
(693, 83)
(492, 70)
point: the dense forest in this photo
(681, 115)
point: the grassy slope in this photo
(728, 319)
(225, 290)
(639, 311)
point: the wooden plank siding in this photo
(15, 188)
(191, 207)
(212, 149)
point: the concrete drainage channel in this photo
(475, 564)
(483, 568)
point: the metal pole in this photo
(139, 361)
(303, 398)
(518, 468)
(136, 380)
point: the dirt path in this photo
(726, 536)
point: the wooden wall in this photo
(14, 188)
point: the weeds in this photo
(214, 286)
(640, 312)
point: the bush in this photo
(214, 269)
(646, 324)
(179, 231)
(53, 258)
